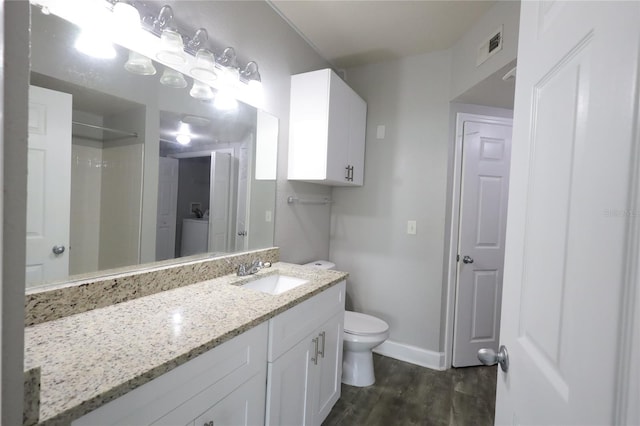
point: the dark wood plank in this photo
(406, 394)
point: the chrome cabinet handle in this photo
(349, 176)
(242, 233)
(467, 259)
(490, 357)
(315, 357)
(57, 250)
(323, 335)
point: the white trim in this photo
(627, 411)
(412, 354)
(451, 276)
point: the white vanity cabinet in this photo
(327, 125)
(305, 360)
(225, 386)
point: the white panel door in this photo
(48, 185)
(571, 258)
(167, 208)
(329, 368)
(219, 202)
(288, 395)
(483, 217)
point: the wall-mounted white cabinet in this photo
(327, 126)
(305, 360)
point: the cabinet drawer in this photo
(172, 397)
(242, 407)
(288, 328)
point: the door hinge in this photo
(457, 258)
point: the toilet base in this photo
(357, 368)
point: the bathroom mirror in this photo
(108, 172)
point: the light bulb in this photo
(201, 91)
(224, 101)
(93, 44)
(183, 139)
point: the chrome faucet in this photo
(245, 269)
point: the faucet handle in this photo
(242, 269)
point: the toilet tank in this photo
(321, 264)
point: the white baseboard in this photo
(412, 354)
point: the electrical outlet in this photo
(267, 216)
(411, 227)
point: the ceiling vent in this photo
(490, 46)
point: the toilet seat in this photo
(363, 325)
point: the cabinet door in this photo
(289, 377)
(244, 406)
(338, 142)
(329, 374)
(357, 134)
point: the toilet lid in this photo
(362, 324)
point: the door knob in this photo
(490, 357)
(467, 259)
(57, 250)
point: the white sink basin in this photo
(275, 284)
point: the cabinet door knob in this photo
(209, 423)
(323, 335)
(314, 358)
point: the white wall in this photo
(396, 276)
(464, 72)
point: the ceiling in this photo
(352, 33)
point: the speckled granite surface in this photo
(58, 301)
(91, 358)
(31, 396)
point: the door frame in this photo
(451, 273)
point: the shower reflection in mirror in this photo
(118, 163)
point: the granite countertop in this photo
(91, 358)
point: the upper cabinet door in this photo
(338, 132)
(357, 130)
(327, 130)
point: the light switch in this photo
(380, 131)
(411, 227)
(267, 216)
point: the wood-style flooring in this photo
(406, 394)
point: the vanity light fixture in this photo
(139, 64)
(251, 75)
(205, 66)
(159, 23)
(127, 17)
(172, 78)
(198, 41)
(201, 91)
(229, 62)
(171, 47)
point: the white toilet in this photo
(361, 334)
